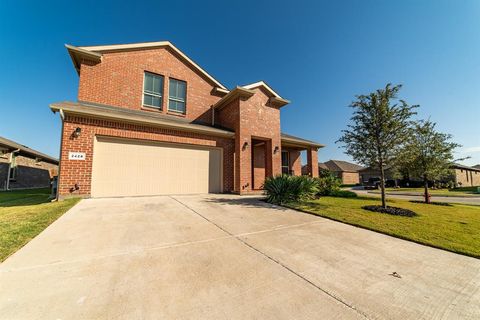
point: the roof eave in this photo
(278, 102)
(11, 145)
(290, 142)
(460, 166)
(138, 119)
(238, 92)
(77, 54)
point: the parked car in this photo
(372, 183)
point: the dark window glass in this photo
(285, 162)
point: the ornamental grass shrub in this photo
(283, 189)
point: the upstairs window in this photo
(177, 93)
(152, 90)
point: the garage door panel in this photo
(133, 168)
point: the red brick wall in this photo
(295, 162)
(258, 166)
(80, 172)
(252, 119)
(118, 81)
(262, 122)
(228, 117)
(312, 162)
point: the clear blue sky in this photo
(318, 54)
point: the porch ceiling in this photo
(298, 143)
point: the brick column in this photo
(312, 162)
(268, 158)
(244, 165)
(276, 156)
(295, 162)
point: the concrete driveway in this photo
(227, 257)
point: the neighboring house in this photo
(346, 171)
(373, 173)
(465, 176)
(24, 168)
(151, 121)
(461, 175)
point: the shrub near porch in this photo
(453, 228)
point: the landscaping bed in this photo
(391, 210)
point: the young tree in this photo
(428, 155)
(380, 126)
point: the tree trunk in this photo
(425, 186)
(382, 185)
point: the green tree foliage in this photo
(428, 154)
(380, 127)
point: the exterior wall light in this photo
(245, 145)
(276, 149)
(75, 187)
(76, 133)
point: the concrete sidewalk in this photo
(227, 257)
(460, 200)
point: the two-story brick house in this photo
(150, 121)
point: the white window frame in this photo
(153, 94)
(177, 99)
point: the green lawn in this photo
(24, 214)
(455, 228)
(457, 192)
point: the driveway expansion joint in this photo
(328, 293)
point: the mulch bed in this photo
(391, 210)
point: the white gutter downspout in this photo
(62, 116)
(9, 167)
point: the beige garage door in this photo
(137, 167)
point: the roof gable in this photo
(95, 53)
(275, 98)
(339, 165)
(264, 85)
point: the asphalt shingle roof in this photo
(12, 145)
(339, 165)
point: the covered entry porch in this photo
(288, 155)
